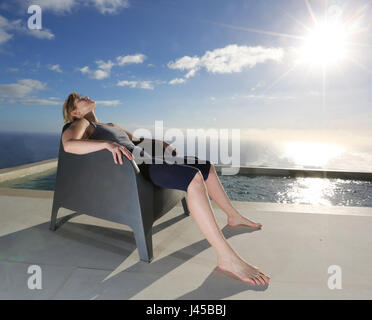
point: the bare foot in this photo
(241, 270)
(239, 220)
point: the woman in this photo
(85, 134)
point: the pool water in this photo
(40, 181)
(296, 190)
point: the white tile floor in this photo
(88, 258)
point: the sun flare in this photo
(311, 153)
(324, 45)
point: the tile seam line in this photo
(55, 265)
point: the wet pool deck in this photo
(88, 258)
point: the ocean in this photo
(19, 148)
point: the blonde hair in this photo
(69, 106)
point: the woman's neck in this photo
(91, 117)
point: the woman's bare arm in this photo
(72, 139)
(73, 143)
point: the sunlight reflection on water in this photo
(300, 190)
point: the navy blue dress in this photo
(176, 173)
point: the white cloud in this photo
(136, 84)
(235, 58)
(4, 36)
(42, 102)
(5, 27)
(103, 71)
(84, 70)
(21, 88)
(190, 74)
(107, 66)
(262, 96)
(110, 103)
(110, 6)
(23, 92)
(55, 67)
(40, 34)
(57, 6)
(123, 83)
(3, 21)
(100, 74)
(104, 68)
(146, 85)
(232, 58)
(34, 84)
(185, 63)
(8, 27)
(66, 6)
(138, 58)
(177, 80)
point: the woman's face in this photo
(84, 105)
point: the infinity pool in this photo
(306, 190)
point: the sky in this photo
(273, 69)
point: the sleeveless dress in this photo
(175, 175)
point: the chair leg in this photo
(144, 243)
(53, 218)
(185, 207)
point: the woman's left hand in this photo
(171, 148)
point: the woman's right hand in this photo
(117, 150)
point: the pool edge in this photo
(27, 169)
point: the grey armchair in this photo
(94, 185)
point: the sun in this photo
(324, 45)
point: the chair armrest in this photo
(97, 158)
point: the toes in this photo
(265, 277)
(244, 222)
(255, 280)
(262, 279)
(255, 225)
(251, 281)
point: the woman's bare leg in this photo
(202, 212)
(218, 194)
